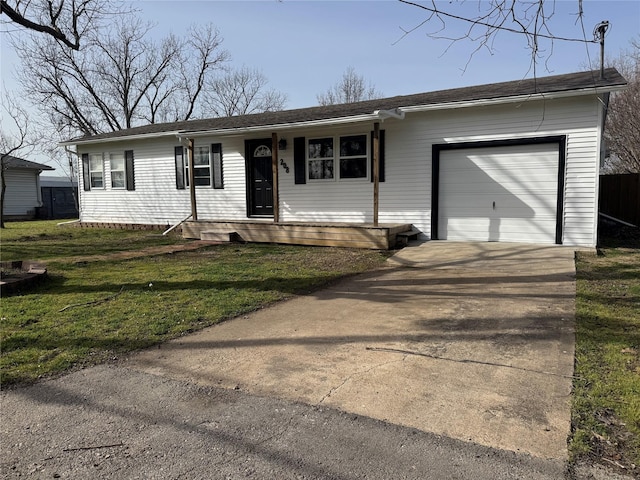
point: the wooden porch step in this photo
(219, 236)
(403, 238)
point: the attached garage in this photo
(505, 191)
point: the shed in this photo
(22, 179)
(59, 197)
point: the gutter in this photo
(512, 99)
(369, 117)
(395, 113)
(124, 138)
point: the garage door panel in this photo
(506, 193)
(499, 231)
(469, 200)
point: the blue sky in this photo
(303, 47)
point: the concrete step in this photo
(219, 235)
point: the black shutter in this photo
(128, 165)
(179, 154)
(299, 160)
(86, 175)
(380, 160)
(216, 164)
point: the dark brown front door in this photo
(259, 178)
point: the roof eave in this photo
(513, 99)
(282, 126)
(141, 136)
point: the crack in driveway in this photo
(356, 374)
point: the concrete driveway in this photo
(474, 341)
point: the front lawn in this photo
(45, 240)
(606, 404)
(89, 312)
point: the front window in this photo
(96, 170)
(321, 159)
(351, 157)
(201, 167)
(117, 171)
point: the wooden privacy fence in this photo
(620, 197)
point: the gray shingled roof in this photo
(14, 162)
(552, 84)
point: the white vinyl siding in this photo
(502, 193)
(156, 201)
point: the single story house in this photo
(59, 197)
(512, 162)
(22, 196)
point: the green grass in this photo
(44, 240)
(606, 403)
(144, 301)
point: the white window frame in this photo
(96, 157)
(209, 165)
(121, 157)
(337, 158)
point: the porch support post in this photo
(192, 181)
(376, 171)
(274, 169)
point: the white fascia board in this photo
(125, 138)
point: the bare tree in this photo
(67, 21)
(14, 118)
(530, 19)
(622, 130)
(240, 92)
(351, 88)
(120, 78)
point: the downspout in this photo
(38, 190)
(188, 142)
(73, 190)
(604, 99)
(177, 224)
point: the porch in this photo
(380, 237)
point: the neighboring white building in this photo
(515, 161)
(22, 196)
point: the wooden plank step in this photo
(218, 235)
(403, 238)
(409, 234)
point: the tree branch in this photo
(52, 29)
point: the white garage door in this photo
(505, 194)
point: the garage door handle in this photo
(494, 205)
